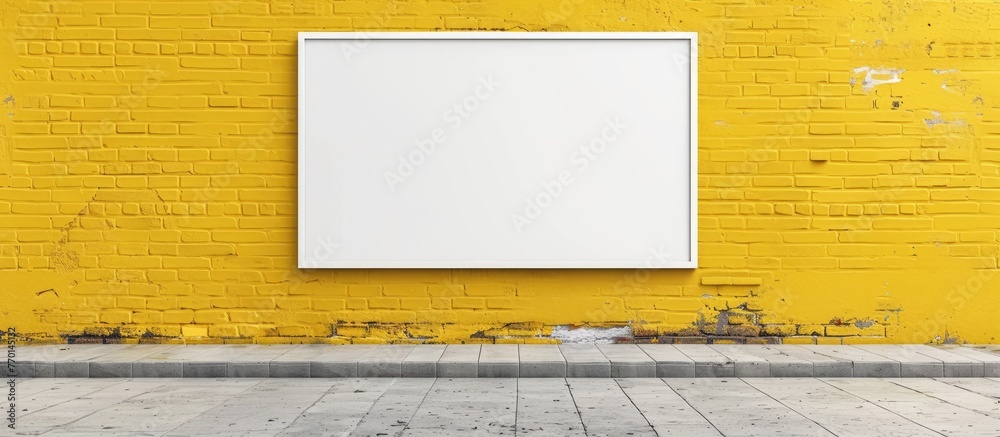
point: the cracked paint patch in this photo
(9, 101)
(936, 119)
(589, 334)
(862, 324)
(878, 76)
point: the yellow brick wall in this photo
(849, 181)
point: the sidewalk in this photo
(505, 361)
(690, 407)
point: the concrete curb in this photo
(503, 361)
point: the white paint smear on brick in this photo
(584, 334)
(878, 76)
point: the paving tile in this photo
(585, 361)
(666, 411)
(339, 361)
(154, 369)
(459, 361)
(955, 365)
(70, 406)
(199, 369)
(79, 352)
(835, 410)
(118, 363)
(865, 364)
(345, 409)
(823, 366)
(45, 370)
(670, 362)
(253, 361)
(272, 407)
(492, 360)
(628, 361)
(746, 364)
(181, 361)
(466, 407)
(132, 353)
(991, 362)
(952, 394)
(157, 410)
(736, 408)
(911, 363)
(73, 361)
(71, 369)
(421, 362)
(99, 369)
(606, 410)
(930, 412)
(708, 362)
(984, 386)
(545, 407)
(202, 352)
(21, 369)
(498, 361)
(687, 407)
(541, 361)
(385, 361)
(297, 361)
(48, 353)
(780, 363)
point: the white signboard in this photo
(497, 150)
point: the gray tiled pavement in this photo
(508, 406)
(507, 361)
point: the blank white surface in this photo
(365, 105)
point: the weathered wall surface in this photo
(849, 185)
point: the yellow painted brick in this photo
(117, 174)
(468, 302)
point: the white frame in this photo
(691, 37)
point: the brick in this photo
(179, 214)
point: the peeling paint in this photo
(937, 119)
(864, 323)
(590, 334)
(878, 76)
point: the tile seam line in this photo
(886, 356)
(824, 380)
(789, 407)
(123, 400)
(222, 401)
(707, 420)
(68, 400)
(892, 381)
(619, 385)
